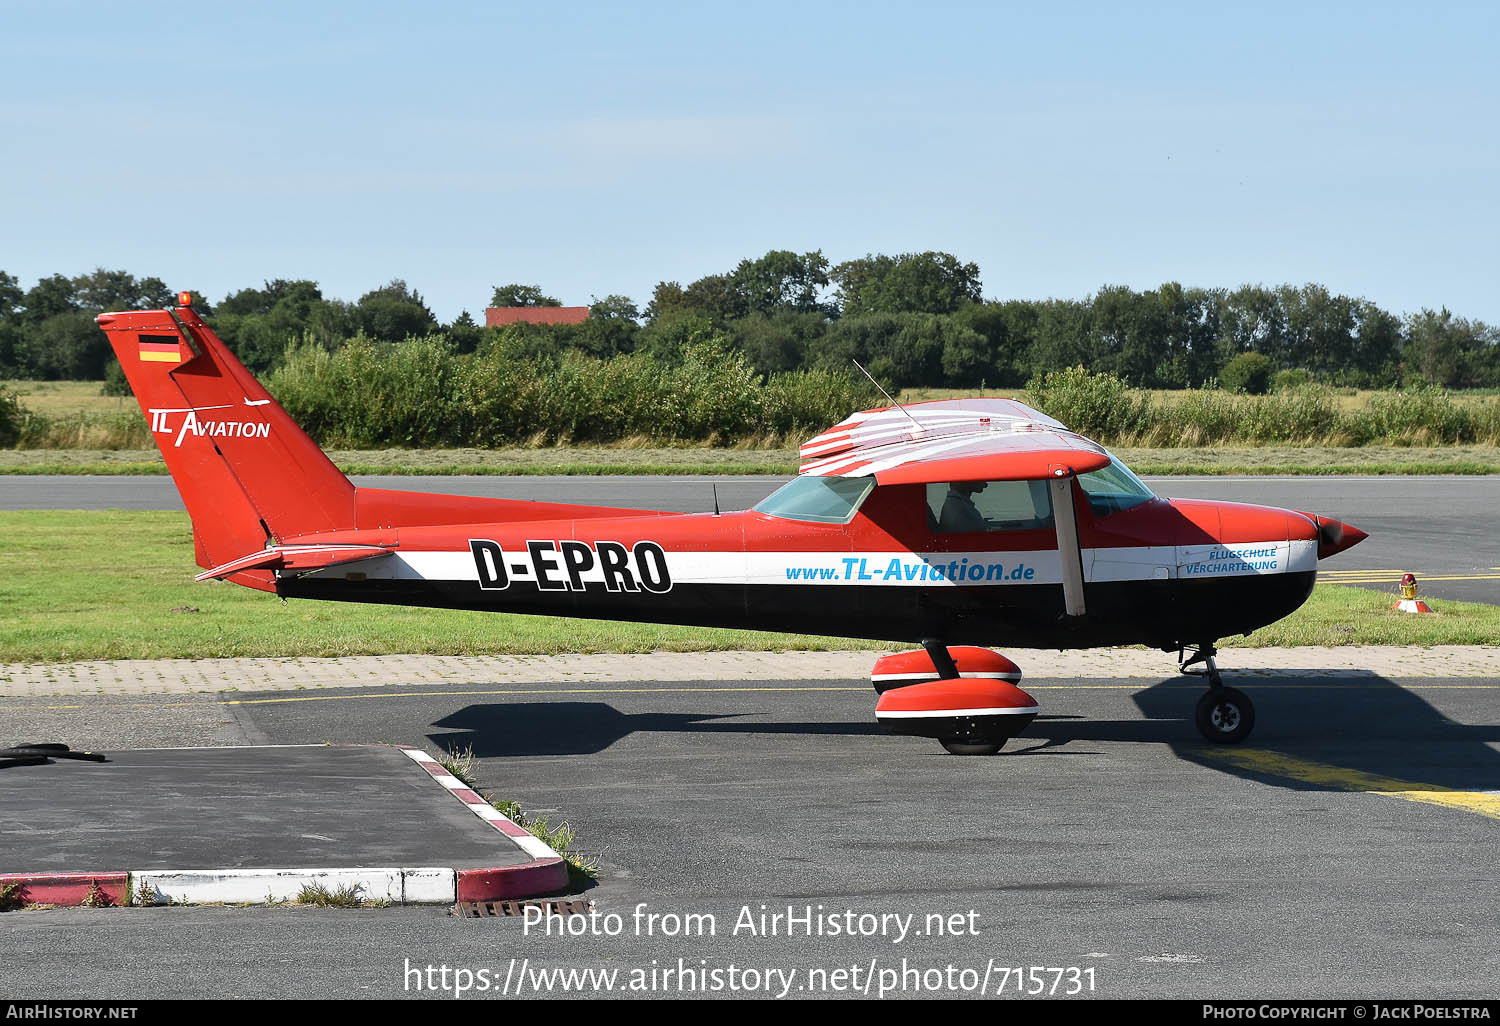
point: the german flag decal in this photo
(161, 349)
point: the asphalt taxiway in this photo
(1347, 850)
(1440, 527)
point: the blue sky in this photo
(597, 149)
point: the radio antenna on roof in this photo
(885, 393)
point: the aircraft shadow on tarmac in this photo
(1354, 721)
(583, 728)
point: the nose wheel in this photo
(1224, 715)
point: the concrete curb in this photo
(68, 888)
(251, 675)
(546, 873)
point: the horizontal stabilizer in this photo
(295, 557)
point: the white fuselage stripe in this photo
(878, 569)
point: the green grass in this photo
(560, 838)
(597, 460)
(70, 398)
(460, 764)
(119, 585)
(1342, 615)
(103, 585)
(347, 896)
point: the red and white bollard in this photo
(1409, 602)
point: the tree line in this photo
(914, 319)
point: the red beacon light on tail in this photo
(184, 299)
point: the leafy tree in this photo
(666, 298)
(930, 282)
(778, 341)
(1451, 351)
(12, 296)
(1253, 318)
(12, 353)
(1377, 347)
(672, 334)
(522, 295)
(1063, 329)
(49, 297)
(1320, 329)
(70, 345)
(901, 350)
(1009, 332)
(259, 324)
(1248, 372)
(716, 296)
(464, 333)
(612, 326)
(120, 290)
(613, 308)
(781, 280)
(394, 312)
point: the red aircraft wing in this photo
(951, 440)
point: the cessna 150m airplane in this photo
(956, 524)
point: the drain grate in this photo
(481, 909)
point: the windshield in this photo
(1114, 488)
(829, 500)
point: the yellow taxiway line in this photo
(1393, 577)
(1341, 778)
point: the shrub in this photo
(115, 382)
(10, 417)
(1307, 415)
(1292, 377)
(1097, 405)
(422, 393)
(1422, 415)
(1248, 372)
(1201, 417)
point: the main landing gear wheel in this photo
(1225, 715)
(956, 746)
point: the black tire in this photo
(1225, 716)
(959, 747)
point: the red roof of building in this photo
(496, 316)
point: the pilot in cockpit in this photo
(959, 512)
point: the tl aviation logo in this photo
(207, 427)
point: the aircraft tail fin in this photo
(247, 473)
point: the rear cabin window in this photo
(827, 500)
(963, 507)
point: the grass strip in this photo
(601, 461)
(83, 585)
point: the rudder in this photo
(247, 473)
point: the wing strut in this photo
(1068, 550)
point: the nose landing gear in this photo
(1224, 715)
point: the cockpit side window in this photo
(827, 500)
(963, 507)
(1113, 489)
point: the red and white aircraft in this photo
(955, 524)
